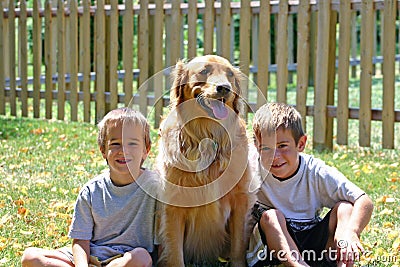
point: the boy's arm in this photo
(81, 252)
(350, 238)
(362, 211)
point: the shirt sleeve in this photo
(82, 221)
(335, 187)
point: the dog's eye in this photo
(229, 73)
(204, 72)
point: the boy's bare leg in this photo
(273, 224)
(139, 257)
(37, 257)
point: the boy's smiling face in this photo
(279, 153)
(125, 151)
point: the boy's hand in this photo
(349, 249)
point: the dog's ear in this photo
(238, 105)
(179, 80)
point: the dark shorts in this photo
(311, 243)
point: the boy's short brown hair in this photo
(272, 116)
(121, 116)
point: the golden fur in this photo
(203, 156)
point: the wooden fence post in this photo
(100, 60)
(208, 22)
(343, 72)
(389, 53)
(127, 51)
(143, 54)
(264, 42)
(48, 59)
(61, 60)
(158, 62)
(244, 39)
(367, 42)
(303, 59)
(192, 29)
(282, 52)
(321, 80)
(225, 34)
(23, 57)
(12, 59)
(37, 57)
(113, 55)
(73, 59)
(85, 57)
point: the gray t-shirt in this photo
(116, 219)
(302, 197)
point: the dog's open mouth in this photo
(215, 107)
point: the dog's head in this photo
(210, 80)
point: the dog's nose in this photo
(223, 88)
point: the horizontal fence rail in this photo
(88, 58)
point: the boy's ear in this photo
(301, 145)
(103, 152)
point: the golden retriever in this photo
(203, 157)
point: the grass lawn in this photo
(43, 164)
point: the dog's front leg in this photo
(172, 234)
(239, 236)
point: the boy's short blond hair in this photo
(121, 116)
(272, 116)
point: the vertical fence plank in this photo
(208, 23)
(23, 58)
(175, 31)
(143, 54)
(113, 53)
(226, 29)
(389, 53)
(331, 77)
(61, 60)
(48, 59)
(158, 62)
(12, 59)
(321, 80)
(85, 57)
(264, 42)
(354, 42)
(343, 72)
(73, 58)
(282, 52)
(127, 51)
(37, 57)
(192, 28)
(244, 39)
(2, 69)
(303, 59)
(100, 59)
(367, 42)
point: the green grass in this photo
(43, 164)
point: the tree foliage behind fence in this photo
(96, 56)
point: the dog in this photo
(202, 154)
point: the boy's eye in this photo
(265, 148)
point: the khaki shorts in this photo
(93, 261)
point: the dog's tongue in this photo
(219, 109)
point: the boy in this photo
(113, 221)
(295, 188)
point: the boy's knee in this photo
(140, 257)
(272, 216)
(343, 208)
(29, 257)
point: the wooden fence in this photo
(95, 57)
